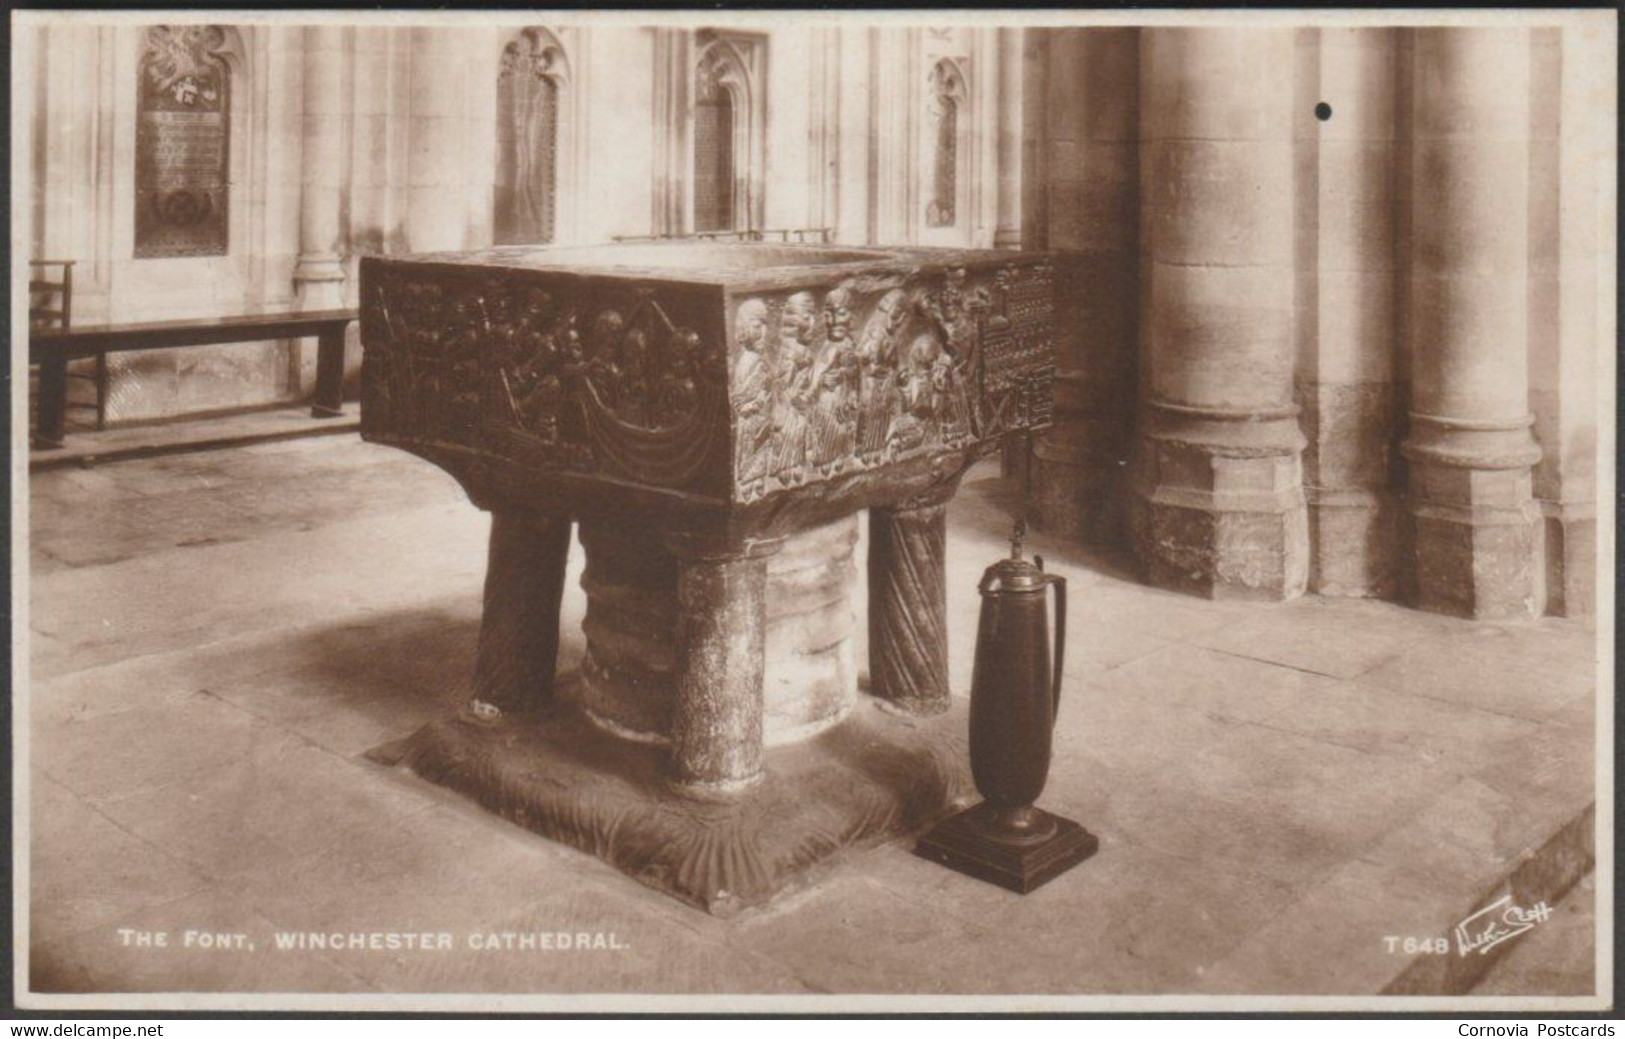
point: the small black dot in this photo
(1323, 111)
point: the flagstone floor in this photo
(216, 639)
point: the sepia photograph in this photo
(811, 512)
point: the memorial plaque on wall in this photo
(183, 143)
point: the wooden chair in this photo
(50, 307)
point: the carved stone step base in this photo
(966, 844)
(873, 778)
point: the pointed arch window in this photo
(713, 147)
(944, 102)
(721, 128)
(530, 108)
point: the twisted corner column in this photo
(716, 724)
(518, 651)
(908, 606)
(1218, 507)
(1469, 444)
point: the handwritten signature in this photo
(1497, 922)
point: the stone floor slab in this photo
(344, 569)
(1482, 673)
(1317, 636)
(1557, 958)
(89, 873)
(281, 801)
(1266, 801)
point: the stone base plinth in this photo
(1222, 555)
(1485, 569)
(1221, 517)
(875, 777)
(1354, 542)
(1477, 530)
(1571, 559)
(1477, 538)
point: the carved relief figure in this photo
(932, 398)
(954, 310)
(534, 376)
(797, 387)
(912, 424)
(833, 439)
(949, 402)
(677, 392)
(753, 398)
(643, 370)
(956, 313)
(878, 397)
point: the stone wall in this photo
(370, 138)
(1355, 281)
(1359, 355)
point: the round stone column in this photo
(716, 717)
(630, 672)
(1469, 443)
(1217, 507)
(1091, 217)
(319, 274)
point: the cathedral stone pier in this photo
(1470, 447)
(1218, 506)
(710, 418)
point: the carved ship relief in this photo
(514, 370)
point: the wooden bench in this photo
(53, 348)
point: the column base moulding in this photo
(1464, 444)
(874, 778)
(1355, 542)
(1476, 531)
(1216, 507)
(319, 283)
(1570, 537)
(1226, 432)
(1479, 562)
(1237, 543)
